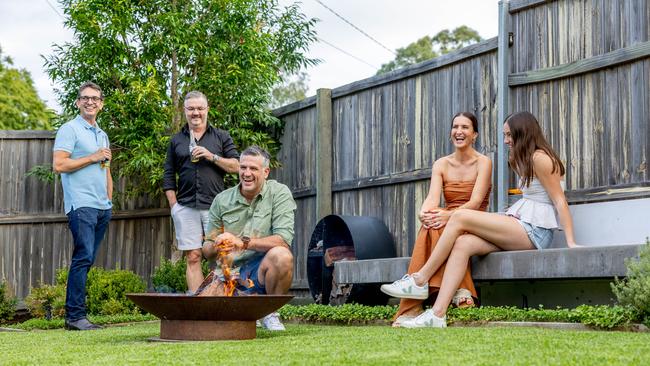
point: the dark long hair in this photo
(527, 137)
(469, 116)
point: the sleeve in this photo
(214, 218)
(65, 139)
(169, 174)
(283, 216)
(228, 146)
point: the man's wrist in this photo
(245, 242)
(215, 158)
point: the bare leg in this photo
(193, 273)
(465, 246)
(503, 231)
(276, 271)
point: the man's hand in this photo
(201, 153)
(101, 155)
(228, 242)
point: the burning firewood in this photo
(213, 285)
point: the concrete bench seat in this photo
(582, 267)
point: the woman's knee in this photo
(465, 244)
(459, 217)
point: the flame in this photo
(225, 259)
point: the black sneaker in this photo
(81, 324)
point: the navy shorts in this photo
(250, 271)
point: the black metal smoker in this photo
(371, 240)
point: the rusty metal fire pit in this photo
(209, 318)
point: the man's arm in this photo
(169, 175)
(63, 163)
(109, 184)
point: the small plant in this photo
(44, 173)
(106, 291)
(7, 302)
(46, 301)
(634, 290)
(170, 277)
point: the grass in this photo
(332, 345)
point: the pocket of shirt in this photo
(230, 219)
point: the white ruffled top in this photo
(536, 207)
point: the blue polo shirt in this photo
(85, 187)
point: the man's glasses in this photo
(192, 109)
(86, 99)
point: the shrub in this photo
(7, 302)
(106, 291)
(46, 301)
(170, 277)
(634, 290)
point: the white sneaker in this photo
(407, 289)
(426, 320)
(272, 322)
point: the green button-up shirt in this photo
(270, 213)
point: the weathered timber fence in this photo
(34, 236)
(582, 67)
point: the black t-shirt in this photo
(198, 183)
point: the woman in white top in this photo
(528, 224)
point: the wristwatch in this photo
(215, 158)
(245, 240)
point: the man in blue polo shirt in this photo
(82, 156)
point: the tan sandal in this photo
(463, 299)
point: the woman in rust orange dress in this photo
(464, 177)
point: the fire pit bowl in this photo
(208, 318)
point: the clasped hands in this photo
(434, 218)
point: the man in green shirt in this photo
(255, 220)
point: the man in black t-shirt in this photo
(200, 155)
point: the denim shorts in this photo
(540, 237)
(249, 270)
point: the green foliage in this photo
(7, 302)
(605, 317)
(20, 106)
(57, 323)
(428, 47)
(106, 291)
(344, 314)
(46, 299)
(170, 277)
(43, 173)
(147, 54)
(289, 90)
(634, 290)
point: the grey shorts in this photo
(541, 237)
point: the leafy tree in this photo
(146, 54)
(289, 90)
(20, 106)
(428, 47)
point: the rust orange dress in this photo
(456, 194)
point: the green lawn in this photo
(319, 344)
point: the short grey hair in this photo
(195, 94)
(255, 150)
(91, 85)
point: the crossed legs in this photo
(468, 233)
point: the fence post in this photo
(323, 153)
(503, 94)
